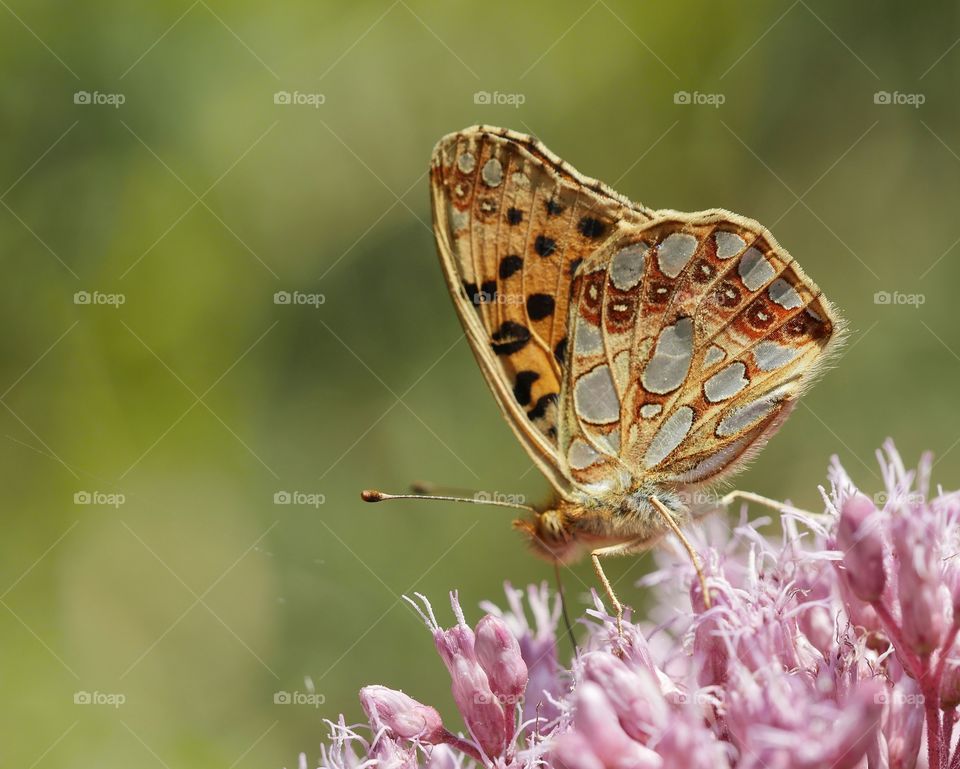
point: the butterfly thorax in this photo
(567, 529)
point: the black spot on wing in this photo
(560, 351)
(510, 338)
(472, 292)
(510, 265)
(514, 216)
(539, 411)
(574, 264)
(488, 292)
(553, 208)
(591, 228)
(540, 306)
(544, 246)
(522, 386)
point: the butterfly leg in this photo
(780, 507)
(607, 587)
(694, 557)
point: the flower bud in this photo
(499, 655)
(918, 584)
(403, 716)
(480, 708)
(950, 687)
(904, 723)
(634, 696)
(860, 539)
(597, 721)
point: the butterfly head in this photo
(551, 534)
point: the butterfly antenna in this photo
(482, 498)
(427, 488)
(563, 608)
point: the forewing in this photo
(513, 223)
(692, 337)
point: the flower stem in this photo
(929, 681)
(934, 733)
(910, 660)
(464, 747)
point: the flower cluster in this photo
(829, 644)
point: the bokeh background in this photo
(146, 161)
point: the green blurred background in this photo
(198, 399)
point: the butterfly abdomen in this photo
(568, 530)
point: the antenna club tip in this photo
(371, 495)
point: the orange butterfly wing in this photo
(512, 223)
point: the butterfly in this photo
(637, 354)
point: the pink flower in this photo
(401, 715)
(830, 645)
(538, 647)
(480, 708)
(859, 537)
